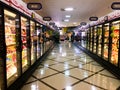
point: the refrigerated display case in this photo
(32, 34)
(95, 39)
(24, 42)
(38, 40)
(87, 41)
(99, 33)
(91, 38)
(115, 42)
(10, 39)
(106, 41)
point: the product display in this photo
(106, 40)
(95, 39)
(91, 39)
(115, 41)
(10, 33)
(32, 31)
(38, 40)
(99, 39)
(24, 41)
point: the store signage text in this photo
(46, 18)
(115, 6)
(93, 18)
(34, 6)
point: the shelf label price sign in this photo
(93, 18)
(47, 18)
(34, 6)
(115, 6)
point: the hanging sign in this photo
(46, 18)
(115, 6)
(93, 18)
(52, 23)
(106, 18)
(83, 23)
(34, 6)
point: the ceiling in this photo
(83, 9)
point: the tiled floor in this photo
(68, 68)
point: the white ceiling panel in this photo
(83, 9)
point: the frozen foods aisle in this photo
(69, 68)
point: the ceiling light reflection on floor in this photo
(68, 88)
(67, 73)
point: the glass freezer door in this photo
(99, 39)
(32, 32)
(91, 38)
(106, 40)
(95, 37)
(115, 42)
(24, 41)
(38, 40)
(10, 38)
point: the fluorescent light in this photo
(66, 20)
(68, 9)
(67, 16)
(9, 13)
(74, 23)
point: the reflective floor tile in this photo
(43, 72)
(103, 81)
(95, 63)
(74, 63)
(31, 79)
(61, 67)
(60, 81)
(78, 73)
(93, 68)
(107, 73)
(59, 59)
(49, 62)
(36, 86)
(84, 86)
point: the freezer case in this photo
(115, 42)
(24, 43)
(106, 41)
(38, 40)
(32, 33)
(99, 33)
(95, 39)
(10, 39)
(91, 38)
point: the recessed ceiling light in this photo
(69, 9)
(66, 20)
(67, 16)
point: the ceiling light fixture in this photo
(67, 16)
(69, 9)
(66, 20)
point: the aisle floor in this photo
(69, 68)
